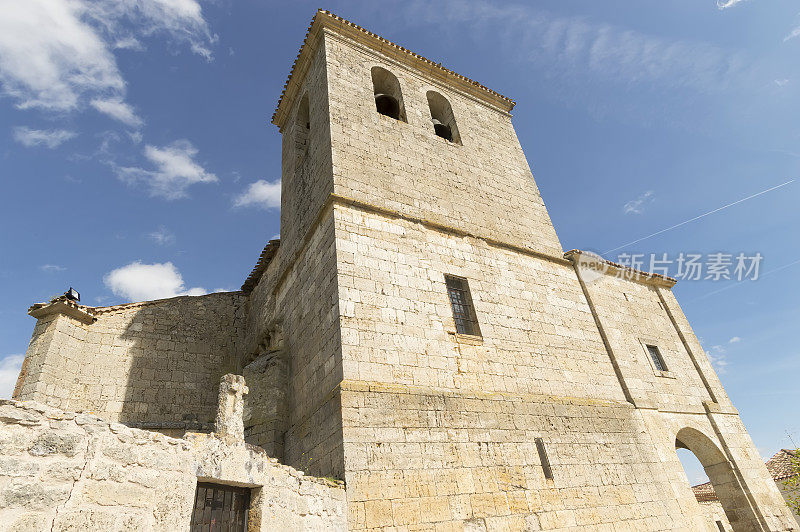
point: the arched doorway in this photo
(723, 479)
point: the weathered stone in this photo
(551, 415)
(114, 490)
(54, 442)
(230, 407)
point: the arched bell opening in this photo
(444, 122)
(388, 96)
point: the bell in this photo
(442, 130)
(387, 105)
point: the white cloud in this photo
(181, 20)
(118, 110)
(56, 55)
(49, 56)
(718, 358)
(792, 34)
(52, 138)
(636, 206)
(734, 340)
(175, 170)
(572, 49)
(51, 268)
(9, 371)
(783, 81)
(262, 193)
(162, 236)
(724, 4)
(144, 282)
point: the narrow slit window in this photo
(658, 360)
(461, 302)
(545, 461)
(720, 526)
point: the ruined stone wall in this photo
(483, 185)
(154, 365)
(63, 471)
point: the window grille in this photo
(461, 302)
(658, 360)
(220, 507)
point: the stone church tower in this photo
(419, 332)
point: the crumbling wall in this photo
(65, 471)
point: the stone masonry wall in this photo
(714, 512)
(440, 429)
(300, 292)
(306, 170)
(429, 459)
(483, 185)
(633, 316)
(62, 471)
(155, 364)
(539, 336)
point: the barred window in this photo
(658, 360)
(461, 303)
(220, 507)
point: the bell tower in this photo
(371, 122)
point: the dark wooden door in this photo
(219, 508)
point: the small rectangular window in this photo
(461, 303)
(220, 507)
(720, 526)
(548, 473)
(655, 355)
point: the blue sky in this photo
(137, 159)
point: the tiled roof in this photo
(779, 466)
(704, 492)
(383, 45)
(263, 261)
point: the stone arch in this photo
(388, 96)
(723, 478)
(444, 121)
